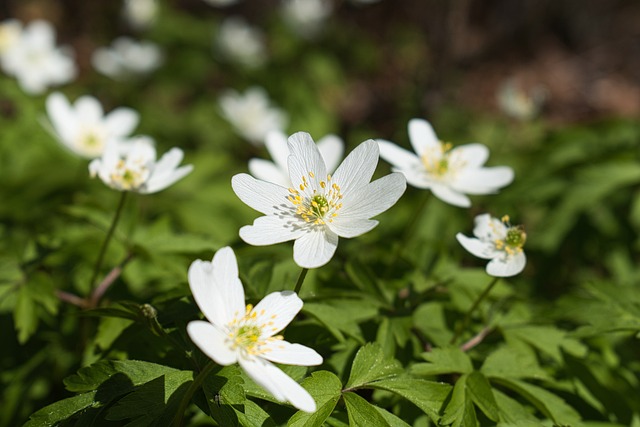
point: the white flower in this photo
(84, 128)
(132, 166)
(448, 172)
(331, 149)
(318, 207)
(306, 17)
(246, 334)
(127, 57)
(517, 103)
(498, 241)
(10, 31)
(241, 43)
(140, 14)
(251, 114)
(35, 60)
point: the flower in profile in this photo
(450, 173)
(83, 127)
(127, 58)
(234, 332)
(132, 166)
(498, 241)
(251, 114)
(241, 43)
(34, 59)
(10, 31)
(140, 14)
(306, 17)
(518, 103)
(331, 149)
(318, 207)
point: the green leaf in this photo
(326, 389)
(391, 419)
(548, 403)
(479, 389)
(459, 411)
(512, 411)
(53, 414)
(362, 413)
(225, 394)
(429, 396)
(25, 315)
(547, 339)
(516, 360)
(370, 364)
(445, 360)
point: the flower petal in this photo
(268, 171)
(422, 136)
(62, 118)
(216, 287)
(507, 266)
(276, 143)
(291, 354)
(88, 109)
(269, 230)
(331, 149)
(375, 198)
(315, 248)
(449, 195)
(398, 156)
(305, 161)
(484, 180)
(358, 168)
(262, 196)
(211, 341)
(121, 121)
(352, 227)
(165, 172)
(488, 228)
(485, 250)
(472, 155)
(279, 384)
(276, 311)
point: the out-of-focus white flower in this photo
(132, 166)
(241, 43)
(34, 60)
(10, 31)
(448, 172)
(306, 17)
(246, 334)
(515, 102)
(221, 3)
(127, 57)
(84, 128)
(498, 241)
(331, 149)
(318, 208)
(140, 14)
(252, 114)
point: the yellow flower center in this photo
(129, 176)
(316, 205)
(245, 332)
(515, 239)
(437, 160)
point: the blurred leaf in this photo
(445, 360)
(25, 315)
(481, 393)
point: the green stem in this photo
(300, 281)
(105, 244)
(475, 304)
(409, 232)
(195, 385)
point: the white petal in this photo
(422, 136)
(122, 121)
(305, 161)
(352, 227)
(397, 156)
(279, 384)
(265, 197)
(62, 118)
(484, 180)
(225, 274)
(375, 198)
(332, 149)
(212, 342)
(315, 248)
(291, 354)
(488, 228)
(269, 171)
(416, 178)
(473, 155)
(269, 230)
(485, 250)
(276, 311)
(276, 143)
(448, 195)
(507, 266)
(165, 172)
(357, 169)
(88, 109)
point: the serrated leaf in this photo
(516, 360)
(326, 389)
(429, 396)
(481, 393)
(445, 360)
(546, 402)
(547, 339)
(512, 411)
(459, 411)
(370, 364)
(52, 415)
(362, 413)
